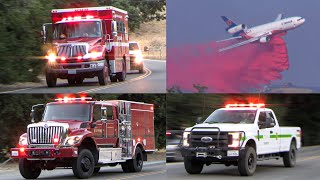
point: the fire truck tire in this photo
(83, 165)
(51, 80)
(113, 78)
(71, 81)
(122, 75)
(134, 165)
(248, 162)
(103, 76)
(289, 158)
(79, 80)
(28, 170)
(193, 166)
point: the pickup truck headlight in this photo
(72, 140)
(185, 139)
(23, 141)
(138, 55)
(235, 138)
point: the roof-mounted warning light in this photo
(251, 105)
(68, 99)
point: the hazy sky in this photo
(197, 21)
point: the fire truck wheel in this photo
(103, 76)
(134, 165)
(71, 81)
(83, 166)
(289, 158)
(51, 80)
(28, 170)
(79, 80)
(248, 162)
(122, 75)
(193, 166)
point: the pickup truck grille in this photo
(42, 135)
(71, 50)
(219, 139)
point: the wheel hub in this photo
(85, 164)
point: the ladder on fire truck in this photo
(125, 129)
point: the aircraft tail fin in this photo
(228, 21)
(279, 17)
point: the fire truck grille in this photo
(41, 135)
(71, 50)
(219, 139)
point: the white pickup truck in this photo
(240, 135)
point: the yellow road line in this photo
(146, 74)
(139, 175)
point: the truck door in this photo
(263, 134)
(274, 132)
(98, 127)
(112, 126)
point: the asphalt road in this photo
(307, 167)
(153, 80)
(154, 170)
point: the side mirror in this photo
(114, 28)
(103, 114)
(199, 120)
(33, 113)
(146, 48)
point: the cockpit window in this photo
(300, 19)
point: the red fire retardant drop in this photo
(237, 70)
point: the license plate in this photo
(14, 153)
(201, 154)
(40, 153)
(72, 71)
(233, 153)
(93, 65)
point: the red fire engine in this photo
(85, 135)
(87, 42)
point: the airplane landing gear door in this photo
(125, 131)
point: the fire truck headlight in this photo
(23, 141)
(72, 140)
(186, 137)
(235, 139)
(51, 58)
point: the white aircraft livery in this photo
(261, 33)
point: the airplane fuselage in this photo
(275, 27)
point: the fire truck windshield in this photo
(232, 116)
(79, 112)
(77, 29)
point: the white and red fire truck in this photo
(240, 135)
(84, 135)
(87, 42)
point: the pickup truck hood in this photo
(223, 127)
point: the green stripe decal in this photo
(281, 136)
(260, 137)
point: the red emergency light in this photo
(250, 105)
(68, 99)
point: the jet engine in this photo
(264, 39)
(236, 29)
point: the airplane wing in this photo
(238, 37)
(244, 42)
(279, 17)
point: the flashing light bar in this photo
(66, 99)
(251, 105)
(77, 18)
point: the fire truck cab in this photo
(87, 42)
(85, 135)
